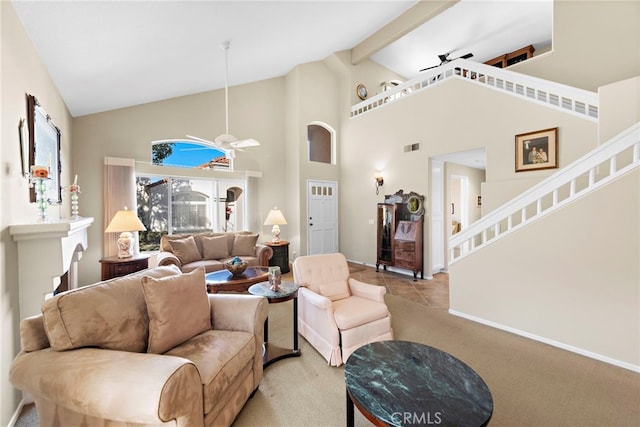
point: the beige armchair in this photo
(337, 314)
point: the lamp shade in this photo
(125, 220)
(275, 217)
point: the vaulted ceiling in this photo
(109, 54)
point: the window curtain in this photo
(119, 192)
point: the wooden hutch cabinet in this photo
(511, 58)
(400, 233)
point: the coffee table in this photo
(288, 291)
(399, 383)
(223, 280)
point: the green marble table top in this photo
(404, 383)
(285, 290)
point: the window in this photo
(177, 205)
(172, 205)
(321, 143)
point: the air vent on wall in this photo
(411, 147)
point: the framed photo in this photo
(537, 150)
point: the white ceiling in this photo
(104, 55)
(110, 54)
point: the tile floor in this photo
(433, 293)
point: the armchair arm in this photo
(367, 290)
(316, 310)
(113, 385)
(233, 312)
(237, 312)
(264, 254)
(168, 258)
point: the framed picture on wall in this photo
(537, 150)
(44, 147)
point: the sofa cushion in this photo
(110, 315)
(244, 244)
(178, 309)
(221, 357)
(186, 250)
(215, 247)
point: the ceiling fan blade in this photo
(224, 147)
(428, 68)
(245, 143)
(468, 55)
(225, 139)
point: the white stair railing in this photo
(609, 161)
(554, 95)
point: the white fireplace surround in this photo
(46, 251)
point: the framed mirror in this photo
(44, 148)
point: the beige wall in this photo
(598, 48)
(451, 117)
(21, 73)
(620, 107)
(581, 290)
(255, 110)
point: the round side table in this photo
(288, 291)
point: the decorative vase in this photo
(275, 278)
(42, 203)
(74, 189)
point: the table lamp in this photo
(276, 219)
(124, 222)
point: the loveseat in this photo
(212, 250)
(147, 349)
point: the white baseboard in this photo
(563, 346)
(16, 414)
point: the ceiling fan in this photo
(227, 142)
(444, 58)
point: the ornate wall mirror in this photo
(44, 148)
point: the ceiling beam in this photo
(420, 13)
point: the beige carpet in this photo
(532, 384)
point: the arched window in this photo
(188, 154)
(321, 139)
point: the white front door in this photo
(322, 221)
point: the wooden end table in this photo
(117, 267)
(280, 256)
(288, 291)
(223, 280)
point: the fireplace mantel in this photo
(47, 251)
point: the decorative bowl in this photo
(236, 269)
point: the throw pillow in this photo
(178, 308)
(244, 244)
(186, 250)
(215, 247)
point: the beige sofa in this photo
(147, 349)
(212, 250)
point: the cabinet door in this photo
(386, 231)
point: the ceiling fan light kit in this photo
(227, 142)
